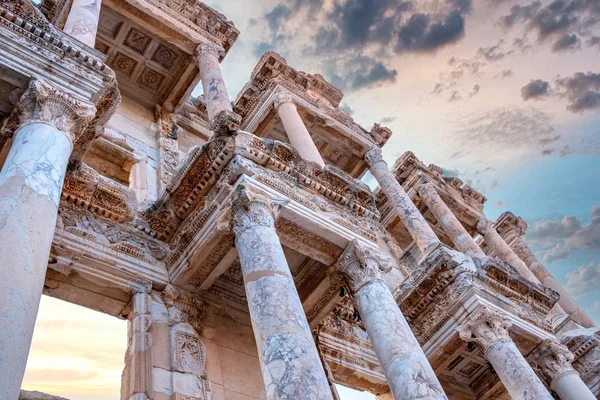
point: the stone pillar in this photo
(489, 329)
(30, 186)
(82, 21)
(407, 370)
(552, 361)
(295, 129)
(415, 223)
(451, 225)
(503, 250)
(289, 359)
(168, 150)
(221, 117)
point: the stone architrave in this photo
(406, 367)
(295, 129)
(489, 329)
(289, 359)
(221, 117)
(31, 180)
(415, 223)
(502, 249)
(552, 361)
(451, 225)
(82, 21)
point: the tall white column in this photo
(82, 21)
(489, 329)
(415, 223)
(450, 224)
(30, 186)
(221, 117)
(289, 358)
(552, 361)
(406, 367)
(295, 129)
(503, 250)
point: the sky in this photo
(504, 94)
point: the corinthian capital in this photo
(427, 190)
(374, 155)
(485, 225)
(551, 359)
(249, 209)
(281, 98)
(210, 49)
(360, 265)
(486, 327)
(183, 307)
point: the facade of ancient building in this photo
(236, 237)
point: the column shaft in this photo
(289, 359)
(82, 21)
(450, 224)
(415, 223)
(295, 129)
(569, 386)
(30, 185)
(215, 92)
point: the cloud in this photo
(582, 90)
(535, 89)
(566, 42)
(421, 34)
(455, 96)
(373, 74)
(500, 204)
(495, 52)
(594, 41)
(569, 231)
(588, 237)
(584, 279)
(388, 120)
(558, 252)
(475, 90)
(494, 184)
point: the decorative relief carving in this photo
(190, 352)
(150, 80)
(282, 97)
(251, 209)
(550, 360)
(123, 64)
(183, 307)
(164, 56)
(486, 327)
(137, 40)
(360, 265)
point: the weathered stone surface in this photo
(35, 395)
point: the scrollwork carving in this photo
(486, 327)
(360, 265)
(551, 359)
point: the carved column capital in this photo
(167, 122)
(183, 307)
(282, 97)
(427, 190)
(486, 327)
(551, 360)
(509, 222)
(250, 209)
(484, 226)
(42, 102)
(210, 49)
(373, 156)
(225, 122)
(360, 265)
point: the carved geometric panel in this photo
(164, 56)
(123, 64)
(137, 40)
(101, 47)
(110, 26)
(150, 79)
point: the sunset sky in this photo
(503, 94)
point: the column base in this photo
(225, 123)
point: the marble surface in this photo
(82, 21)
(215, 93)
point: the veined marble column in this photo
(295, 129)
(30, 186)
(489, 329)
(552, 361)
(82, 21)
(289, 359)
(415, 223)
(407, 370)
(503, 250)
(221, 117)
(565, 302)
(451, 225)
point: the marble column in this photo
(552, 361)
(415, 223)
(295, 129)
(221, 117)
(489, 329)
(450, 224)
(30, 186)
(407, 370)
(289, 359)
(502, 249)
(565, 302)
(82, 21)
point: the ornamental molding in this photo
(486, 327)
(510, 223)
(183, 307)
(360, 265)
(373, 156)
(249, 209)
(210, 49)
(282, 97)
(551, 360)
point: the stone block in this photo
(161, 353)
(213, 362)
(241, 373)
(162, 381)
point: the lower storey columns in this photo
(407, 370)
(30, 186)
(552, 361)
(289, 359)
(489, 329)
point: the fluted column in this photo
(407, 370)
(82, 21)
(450, 224)
(415, 223)
(289, 359)
(503, 250)
(295, 129)
(30, 186)
(489, 329)
(552, 362)
(221, 117)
